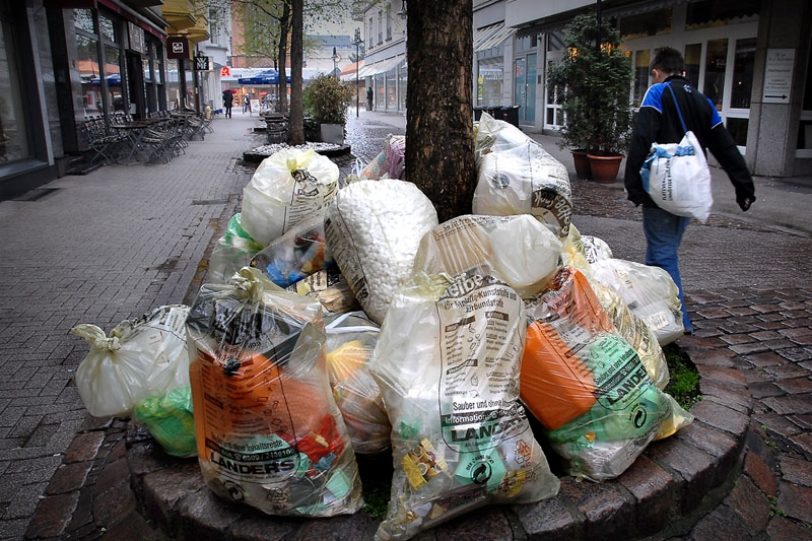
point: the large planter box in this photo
(332, 133)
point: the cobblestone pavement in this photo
(115, 243)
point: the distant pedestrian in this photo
(659, 121)
(228, 102)
(246, 104)
(369, 98)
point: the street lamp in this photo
(357, 42)
(402, 11)
(336, 58)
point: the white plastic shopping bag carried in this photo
(676, 175)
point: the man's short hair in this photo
(668, 60)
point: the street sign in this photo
(202, 63)
(778, 75)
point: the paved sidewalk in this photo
(98, 249)
(115, 243)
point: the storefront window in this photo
(743, 73)
(83, 20)
(715, 64)
(108, 29)
(379, 93)
(14, 144)
(190, 86)
(403, 82)
(489, 82)
(87, 53)
(172, 85)
(693, 53)
(112, 72)
(391, 90)
(642, 60)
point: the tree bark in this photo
(284, 27)
(439, 119)
(296, 134)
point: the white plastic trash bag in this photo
(518, 250)
(373, 230)
(650, 293)
(448, 362)
(287, 187)
(268, 431)
(232, 252)
(677, 178)
(140, 359)
(517, 176)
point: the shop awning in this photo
(491, 36)
(380, 67)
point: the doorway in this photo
(135, 85)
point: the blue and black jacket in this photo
(658, 121)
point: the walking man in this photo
(228, 101)
(658, 121)
(369, 98)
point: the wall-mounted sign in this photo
(225, 71)
(137, 42)
(177, 47)
(778, 75)
(202, 63)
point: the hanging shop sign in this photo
(202, 63)
(177, 47)
(225, 71)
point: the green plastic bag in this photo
(170, 420)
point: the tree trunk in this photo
(284, 27)
(439, 119)
(296, 134)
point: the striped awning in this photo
(491, 36)
(381, 67)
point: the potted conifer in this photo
(593, 82)
(326, 100)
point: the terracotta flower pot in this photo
(582, 168)
(605, 168)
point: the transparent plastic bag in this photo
(140, 358)
(517, 176)
(373, 230)
(587, 385)
(287, 188)
(295, 255)
(447, 362)
(232, 252)
(269, 434)
(650, 293)
(170, 420)
(351, 338)
(515, 249)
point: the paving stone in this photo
(721, 524)
(68, 477)
(735, 339)
(750, 504)
(692, 343)
(52, 516)
(111, 506)
(802, 340)
(771, 317)
(796, 385)
(164, 489)
(787, 371)
(792, 305)
(767, 308)
(715, 357)
(206, 516)
(804, 421)
(796, 332)
(709, 332)
(767, 358)
(781, 529)
(796, 471)
(13, 529)
(796, 354)
(656, 494)
(713, 313)
(720, 416)
(113, 474)
(784, 405)
(771, 325)
(469, 527)
(753, 347)
(734, 328)
(25, 500)
(722, 375)
(606, 507)
(257, 527)
(762, 389)
(739, 311)
(761, 474)
(734, 396)
(804, 442)
(697, 468)
(550, 519)
(776, 423)
(82, 516)
(765, 335)
(795, 501)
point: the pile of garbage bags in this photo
(340, 318)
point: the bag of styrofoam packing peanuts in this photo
(170, 420)
(232, 252)
(650, 293)
(518, 250)
(635, 331)
(373, 230)
(515, 175)
(287, 188)
(297, 254)
(586, 384)
(140, 358)
(351, 338)
(269, 434)
(447, 362)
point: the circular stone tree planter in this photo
(664, 492)
(258, 154)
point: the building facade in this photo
(750, 57)
(383, 26)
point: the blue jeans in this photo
(663, 236)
